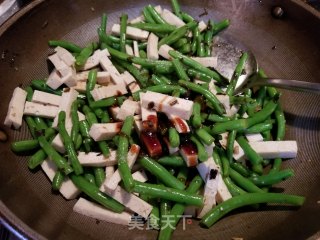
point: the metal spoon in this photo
(228, 52)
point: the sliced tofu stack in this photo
(16, 108)
(67, 189)
(96, 159)
(96, 211)
(165, 103)
(152, 47)
(40, 110)
(104, 131)
(115, 179)
(131, 82)
(128, 108)
(132, 32)
(189, 153)
(94, 60)
(275, 149)
(180, 124)
(108, 66)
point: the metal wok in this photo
(287, 47)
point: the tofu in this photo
(137, 19)
(202, 26)
(40, 110)
(164, 51)
(138, 126)
(67, 189)
(128, 108)
(129, 50)
(158, 9)
(170, 105)
(93, 60)
(225, 100)
(131, 82)
(57, 144)
(107, 65)
(212, 87)
(96, 159)
(232, 111)
(223, 193)
(132, 32)
(115, 179)
(275, 149)
(81, 87)
(108, 91)
(238, 153)
(152, 47)
(172, 150)
(60, 65)
(191, 160)
(140, 176)
(171, 18)
(254, 137)
(99, 212)
(69, 78)
(104, 131)
(65, 56)
(205, 167)
(54, 80)
(109, 172)
(16, 108)
(207, 61)
(131, 201)
(209, 148)
(136, 49)
(46, 98)
(149, 120)
(180, 125)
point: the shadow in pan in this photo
(305, 122)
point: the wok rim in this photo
(7, 217)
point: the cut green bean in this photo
(174, 138)
(233, 188)
(196, 115)
(36, 159)
(42, 86)
(155, 15)
(147, 15)
(272, 178)
(65, 44)
(244, 183)
(176, 8)
(172, 161)
(123, 30)
(204, 136)
(202, 154)
(57, 180)
(85, 54)
(99, 175)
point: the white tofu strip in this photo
(212, 87)
(108, 91)
(96, 159)
(254, 137)
(109, 172)
(167, 104)
(65, 56)
(238, 153)
(149, 119)
(225, 101)
(128, 108)
(104, 131)
(164, 51)
(232, 111)
(275, 149)
(130, 82)
(16, 108)
(140, 176)
(116, 178)
(136, 49)
(69, 78)
(209, 148)
(129, 50)
(103, 77)
(57, 144)
(59, 64)
(40, 110)
(54, 80)
(158, 9)
(209, 193)
(107, 65)
(81, 87)
(46, 98)
(94, 59)
(197, 81)
(205, 167)
(138, 126)
(223, 192)
(202, 26)
(172, 150)
(207, 61)
(152, 47)
(132, 32)
(67, 189)
(171, 18)
(69, 95)
(137, 19)
(191, 160)
(181, 125)
(114, 112)
(131, 201)
(99, 212)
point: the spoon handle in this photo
(288, 84)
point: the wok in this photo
(287, 47)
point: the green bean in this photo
(176, 195)
(176, 8)
(42, 86)
(178, 209)
(208, 37)
(84, 128)
(197, 66)
(65, 44)
(147, 15)
(57, 180)
(167, 89)
(258, 128)
(216, 158)
(218, 27)
(204, 136)
(180, 70)
(90, 178)
(202, 154)
(253, 157)
(240, 168)
(225, 164)
(161, 173)
(277, 162)
(206, 93)
(195, 40)
(123, 30)
(110, 39)
(68, 144)
(156, 80)
(233, 188)
(242, 124)
(107, 102)
(180, 43)
(198, 75)
(75, 121)
(200, 46)
(177, 34)
(243, 182)
(185, 49)
(143, 45)
(165, 207)
(93, 192)
(85, 54)
(142, 54)
(155, 15)
(40, 124)
(103, 25)
(31, 125)
(59, 161)
(99, 175)
(154, 218)
(183, 174)
(281, 123)
(174, 138)
(230, 144)
(150, 64)
(196, 115)
(36, 159)
(272, 178)
(102, 115)
(172, 161)
(153, 27)
(127, 126)
(248, 199)
(261, 95)
(186, 17)
(237, 73)
(87, 143)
